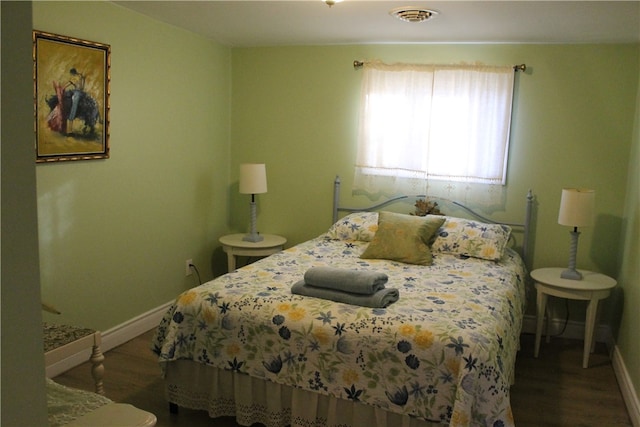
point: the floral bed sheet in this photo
(444, 352)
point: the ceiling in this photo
(244, 23)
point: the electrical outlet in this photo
(187, 267)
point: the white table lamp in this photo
(576, 210)
(253, 180)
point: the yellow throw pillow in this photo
(403, 238)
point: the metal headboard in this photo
(526, 225)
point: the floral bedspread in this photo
(444, 352)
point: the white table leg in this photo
(231, 262)
(231, 259)
(541, 305)
(589, 327)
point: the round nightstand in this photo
(234, 246)
(593, 287)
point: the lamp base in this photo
(571, 274)
(253, 237)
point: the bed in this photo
(443, 353)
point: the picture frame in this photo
(71, 82)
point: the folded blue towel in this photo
(340, 279)
(380, 299)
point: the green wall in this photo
(21, 359)
(115, 234)
(572, 126)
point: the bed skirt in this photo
(252, 400)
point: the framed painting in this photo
(71, 80)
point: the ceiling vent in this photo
(412, 14)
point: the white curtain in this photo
(441, 130)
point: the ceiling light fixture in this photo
(412, 14)
(331, 2)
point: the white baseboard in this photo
(626, 387)
(112, 338)
(130, 329)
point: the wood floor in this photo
(553, 390)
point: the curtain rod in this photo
(520, 67)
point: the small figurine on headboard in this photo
(425, 207)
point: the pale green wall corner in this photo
(21, 357)
(628, 294)
(115, 234)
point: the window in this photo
(430, 126)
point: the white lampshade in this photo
(577, 207)
(253, 178)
